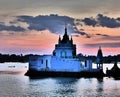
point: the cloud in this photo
(1, 23)
(101, 20)
(102, 35)
(11, 28)
(107, 21)
(90, 21)
(75, 35)
(115, 38)
(56, 24)
(84, 34)
(112, 45)
(53, 23)
(107, 37)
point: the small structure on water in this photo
(99, 59)
(114, 72)
(64, 62)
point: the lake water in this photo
(23, 86)
(18, 85)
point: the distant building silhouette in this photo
(99, 59)
(115, 71)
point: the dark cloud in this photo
(102, 20)
(115, 38)
(102, 35)
(11, 28)
(76, 35)
(53, 23)
(1, 23)
(81, 29)
(90, 21)
(112, 45)
(56, 24)
(118, 19)
(107, 21)
(84, 34)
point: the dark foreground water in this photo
(23, 86)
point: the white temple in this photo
(63, 59)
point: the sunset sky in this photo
(34, 26)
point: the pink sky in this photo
(44, 42)
(38, 33)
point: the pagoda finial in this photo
(59, 38)
(65, 29)
(71, 38)
(99, 47)
(59, 41)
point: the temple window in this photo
(42, 61)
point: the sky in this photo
(34, 26)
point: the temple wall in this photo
(40, 62)
(66, 64)
(53, 63)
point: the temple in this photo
(63, 61)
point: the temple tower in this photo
(65, 47)
(99, 59)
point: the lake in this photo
(18, 85)
(23, 86)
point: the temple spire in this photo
(65, 30)
(59, 38)
(65, 36)
(99, 56)
(99, 47)
(59, 41)
(71, 39)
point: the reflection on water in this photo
(13, 85)
(23, 86)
